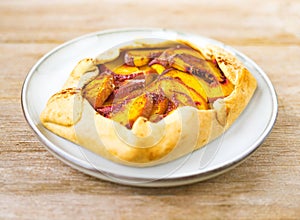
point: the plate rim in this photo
(187, 178)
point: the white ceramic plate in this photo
(242, 139)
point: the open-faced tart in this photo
(148, 104)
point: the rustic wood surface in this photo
(35, 185)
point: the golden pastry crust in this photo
(184, 130)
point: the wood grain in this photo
(35, 185)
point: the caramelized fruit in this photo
(151, 83)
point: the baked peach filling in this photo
(152, 82)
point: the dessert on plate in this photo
(142, 104)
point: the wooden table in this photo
(35, 185)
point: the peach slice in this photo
(141, 57)
(178, 93)
(131, 110)
(166, 58)
(189, 80)
(98, 90)
(158, 68)
(125, 70)
(160, 105)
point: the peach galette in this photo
(150, 103)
